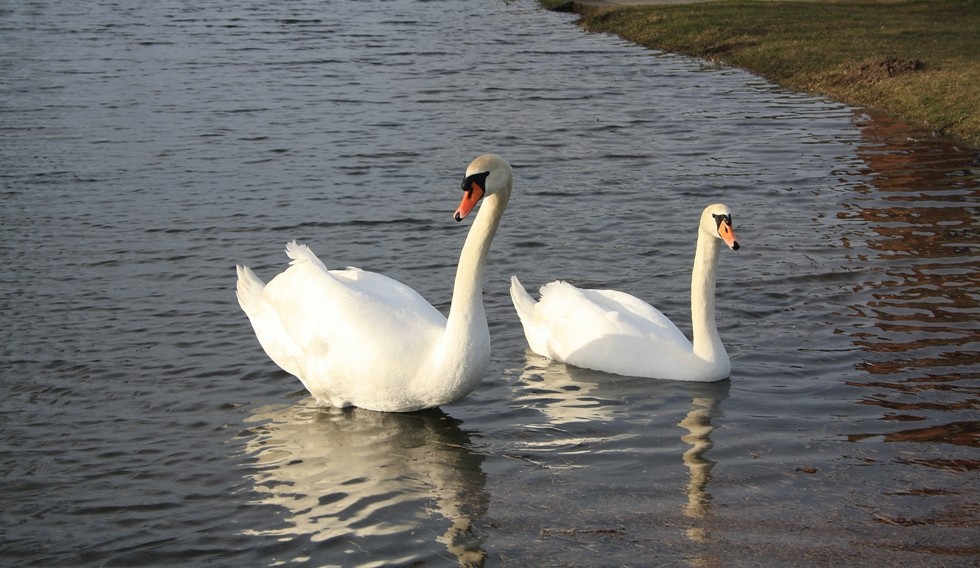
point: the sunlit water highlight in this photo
(147, 147)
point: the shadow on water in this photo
(915, 314)
(342, 477)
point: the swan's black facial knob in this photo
(479, 178)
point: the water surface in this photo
(147, 147)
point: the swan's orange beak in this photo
(471, 196)
(728, 235)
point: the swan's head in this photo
(486, 175)
(716, 220)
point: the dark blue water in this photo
(147, 147)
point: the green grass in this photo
(918, 60)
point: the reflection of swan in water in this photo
(698, 424)
(345, 477)
(561, 392)
(566, 394)
(705, 405)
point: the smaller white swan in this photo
(615, 332)
(357, 338)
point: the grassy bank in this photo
(914, 59)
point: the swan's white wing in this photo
(354, 321)
(609, 310)
(604, 329)
(634, 312)
(341, 325)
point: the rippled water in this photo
(147, 147)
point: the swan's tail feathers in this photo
(249, 287)
(523, 303)
(266, 322)
(302, 253)
(535, 330)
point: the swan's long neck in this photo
(466, 329)
(707, 343)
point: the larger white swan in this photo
(615, 332)
(357, 338)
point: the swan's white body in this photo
(615, 332)
(357, 338)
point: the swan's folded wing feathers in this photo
(578, 317)
(572, 317)
(302, 296)
(625, 303)
(335, 322)
(398, 295)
